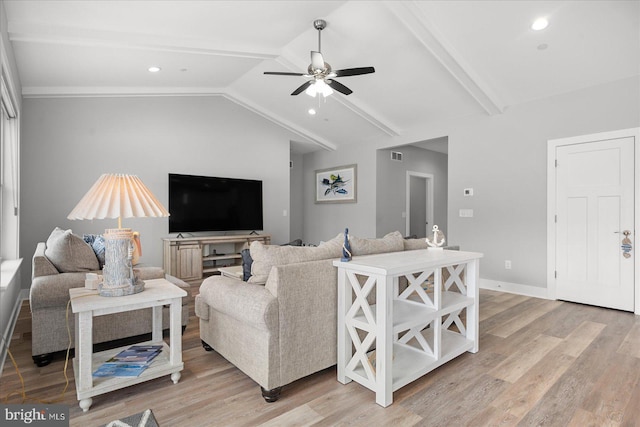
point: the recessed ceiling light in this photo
(154, 69)
(311, 112)
(539, 24)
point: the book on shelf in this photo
(130, 362)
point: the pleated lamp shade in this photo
(118, 196)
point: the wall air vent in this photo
(396, 155)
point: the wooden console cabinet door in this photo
(188, 262)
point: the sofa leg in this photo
(272, 395)
(42, 359)
(206, 346)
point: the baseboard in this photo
(8, 332)
(514, 288)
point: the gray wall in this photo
(391, 190)
(503, 157)
(69, 142)
(325, 221)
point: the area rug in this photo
(143, 419)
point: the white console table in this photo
(413, 327)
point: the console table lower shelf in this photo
(426, 314)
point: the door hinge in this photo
(556, 162)
(555, 274)
(555, 219)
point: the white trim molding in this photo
(514, 288)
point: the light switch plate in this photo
(468, 192)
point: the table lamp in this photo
(117, 196)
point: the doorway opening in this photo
(419, 207)
(396, 167)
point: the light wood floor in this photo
(541, 363)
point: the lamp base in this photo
(111, 291)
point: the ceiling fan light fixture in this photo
(539, 24)
(320, 75)
(319, 87)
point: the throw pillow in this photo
(266, 256)
(246, 264)
(392, 242)
(96, 241)
(414, 244)
(69, 253)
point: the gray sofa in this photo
(49, 297)
(281, 324)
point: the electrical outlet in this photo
(507, 264)
(466, 213)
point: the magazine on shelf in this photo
(137, 354)
(130, 362)
(111, 369)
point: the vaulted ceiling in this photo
(434, 59)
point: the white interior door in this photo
(595, 205)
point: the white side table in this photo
(86, 304)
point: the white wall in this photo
(69, 142)
(391, 178)
(503, 157)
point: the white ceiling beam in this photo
(286, 124)
(52, 34)
(412, 16)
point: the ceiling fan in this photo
(320, 74)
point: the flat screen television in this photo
(206, 203)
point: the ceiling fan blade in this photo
(278, 73)
(301, 88)
(339, 87)
(354, 71)
(317, 61)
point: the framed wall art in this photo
(337, 185)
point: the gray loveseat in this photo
(49, 297)
(281, 324)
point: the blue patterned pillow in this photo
(96, 241)
(246, 264)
